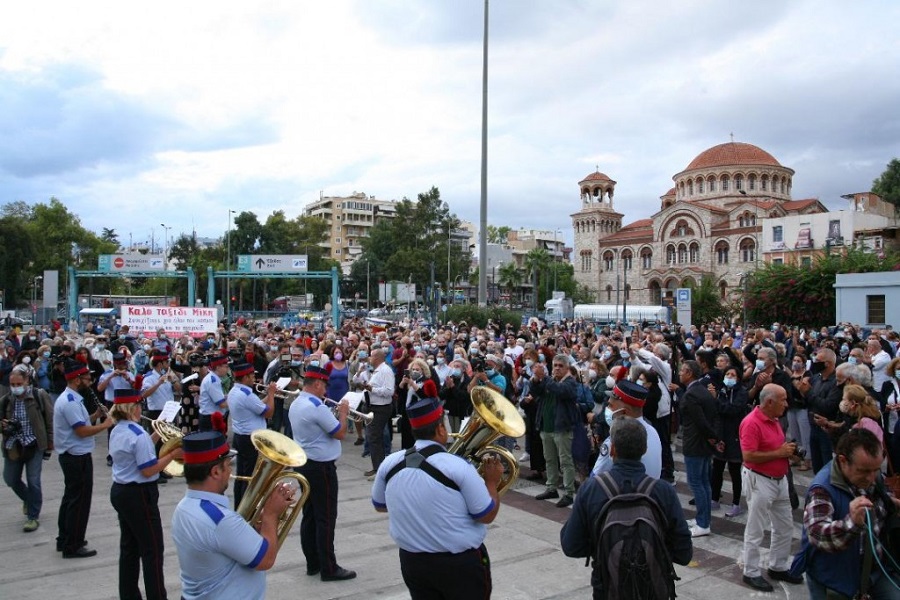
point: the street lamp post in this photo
(228, 272)
(34, 285)
(166, 230)
(555, 265)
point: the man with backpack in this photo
(630, 526)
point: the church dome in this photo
(596, 176)
(732, 154)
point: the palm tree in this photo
(510, 277)
(537, 260)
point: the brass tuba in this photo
(171, 437)
(277, 455)
(494, 416)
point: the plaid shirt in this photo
(832, 535)
(26, 435)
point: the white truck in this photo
(557, 309)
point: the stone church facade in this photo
(710, 222)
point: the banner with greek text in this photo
(176, 320)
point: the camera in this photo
(12, 427)
(197, 360)
(798, 451)
(406, 373)
(477, 364)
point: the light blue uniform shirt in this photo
(652, 458)
(69, 414)
(116, 382)
(314, 424)
(217, 549)
(211, 394)
(157, 400)
(247, 410)
(426, 515)
(132, 450)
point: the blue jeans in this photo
(698, 468)
(883, 589)
(29, 493)
(820, 448)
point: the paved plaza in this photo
(523, 543)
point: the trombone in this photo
(263, 389)
(366, 418)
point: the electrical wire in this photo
(870, 529)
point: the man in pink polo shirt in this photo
(766, 456)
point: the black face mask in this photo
(817, 367)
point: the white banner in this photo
(176, 320)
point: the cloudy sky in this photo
(137, 114)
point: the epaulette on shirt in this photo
(70, 397)
(212, 511)
(135, 429)
(246, 391)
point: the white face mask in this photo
(592, 374)
(610, 382)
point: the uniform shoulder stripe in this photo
(135, 429)
(212, 511)
(246, 391)
(70, 397)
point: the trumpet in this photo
(366, 418)
(171, 438)
(263, 389)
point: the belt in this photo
(755, 472)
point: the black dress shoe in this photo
(547, 495)
(340, 575)
(314, 571)
(59, 546)
(758, 583)
(82, 552)
(786, 577)
(565, 501)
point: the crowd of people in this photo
(760, 404)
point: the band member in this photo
(248, 413)
(73, 435)
(26, 417)
(439, 509)
(221, 556)
(160, 385)
(319, 433)
(212, 397)
(135, 496)
(117, 378)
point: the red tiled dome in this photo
(732, 153)
(596, 176)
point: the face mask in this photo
(688, 345)
(797, 366)
(592, 374)
(26, 360)
(817, 367)
(457, 357)
(273, 348)
(529, 363)
(897, 374)
(760, 365)
(473, 351)
(385, 348)
(606, 355)
(609, 415)
(162, 336)
(730, 382)
(146, 347)
(623, 354)
(490, 372)
(296, 363)
(845, 406)
(32, 338)
(338, 356)
(417, 348)
(46, 355)
(610, 382)
(122, 336)
(415, 375)
(362, 354)
(429, 362)
(853, 360)
(163, 371)
(17, 390)
(454, 372)
(542, 358)
(440, 360)
(314, 363)
(101, 346)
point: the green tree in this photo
(804, 295)
(15, 254)
(110, 235)
(706, 303)
(510, 277)
(498, 235)
(888, 184)
(537, 263)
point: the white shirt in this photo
(382, 382)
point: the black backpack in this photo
(629, 549)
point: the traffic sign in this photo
(129, 262)
(271, 263)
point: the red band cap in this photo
(197, 458)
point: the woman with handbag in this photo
(26, 418)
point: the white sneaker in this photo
(697, 531)
(691, 523)
(525, 457)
